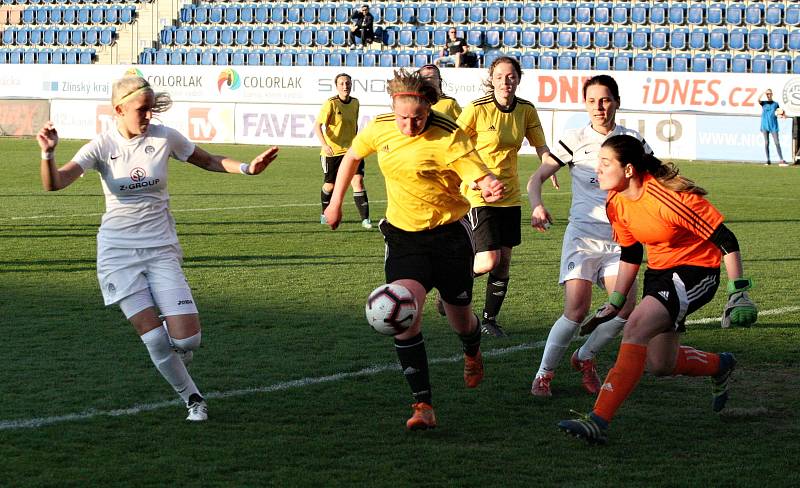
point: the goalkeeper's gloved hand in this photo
(608, 311)
(740, 311)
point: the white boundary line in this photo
(33, 423)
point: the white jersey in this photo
(134, 176)
(580, 149)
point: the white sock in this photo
(558, 340)
(191, 343)
(602, 335)
(168, 363)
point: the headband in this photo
(130, 96)
(410, 94)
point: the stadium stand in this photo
(697, 36)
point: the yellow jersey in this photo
(423, 173)
(498, 134)
(448, 106)
(341, 123)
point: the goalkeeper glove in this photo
(740, 311)
(611, 309)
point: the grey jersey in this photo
(580, 150)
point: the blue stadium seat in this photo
(49, 37)
(423, 37)
(623, 61)
(306, 36)
(714, 13)
(696, 13)
(35, 36)
(339, 36)
(529, 60)
(294, 14)
(441, 14)
(602, 62)
(309, 13)
(678, 38)
(408, 15)
(458, 14)
(174, 56)
(676, 13)
(196, 35)
(737, 38)
(698, 38)
(97, 15)
(734, 14)
(216, 13)
(159, 57)
(754, 14)
(303, 57)
(602, 37)
(681, 62)
(475, 36)
(602, 13)
(793, 41)
(757, 39)
(322, 36)
(291, 35)
(69, 16)
(254, 57)
(566, 60)
(386, 58)
(270, 57)
(583, 13)
(476, 14)
(620, 14)
(721, 63)
(57, 56)
(760, 63)
(28, 57)
(584, 38)
(23, 37)
(530, 37)
(781, 64)
(405, 37)
(275, 36)
(439, 36)
(15, 56)
(91, 36)
(425, 13)
(231, 16)
(701, 63)
(547, 38)
(388, 36)
(247, 15)
(324, 16)
(547, 60)
(494, 13)
(227, 37)
(740, 63)
(585, 61)
(126, 14)
(210, 35)
(511, 11)
(795, 65)
(286, 58)
(658, 13)
(621, 38)
(320, 57)
(241, 35)
(28, 16)
(192, 57)
(76, 36)
(511, 36)
(777, 39)
(258, 36)
(341, 15)
(565, 12)
(208, 57)
(792, 16)
(642, 61)
(662, 62)
(277, 13)
(404, 57)
(565, 39)
(422, 57)
(772, 16)
(9, 36)
(370, 58)
(718, 39)
(547, 15)
(640, 38)
(527, 13)
(43, 55)
(492, 38)
(57, 14)
(352, 59)
(640, 13)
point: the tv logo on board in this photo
(200, 126)
(230, 78)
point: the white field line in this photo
(33, 423)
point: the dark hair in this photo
(341, 75)
(629, 150)
(411, 84)
(603, 80)
(502, 59)
(438, 73)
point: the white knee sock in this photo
(191, 343)
(602, 335)
(168, 363)
(558, 340)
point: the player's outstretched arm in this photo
(222, 164)
(54, 178)
(540, 217)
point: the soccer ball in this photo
(391, 309)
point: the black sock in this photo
(325, 198)
(471, 341)
(362, 203)
(414, 361)
(495, 294)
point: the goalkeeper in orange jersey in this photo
(651, 206)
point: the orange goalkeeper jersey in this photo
(673, 226)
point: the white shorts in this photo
(587, 259)
(123, 272)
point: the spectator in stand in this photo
(363, 27)
(454, 51)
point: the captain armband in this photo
(724, 239)
(632, 254)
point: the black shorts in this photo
(682, 289)
(330, 166)
(495, 227)
(438, 258)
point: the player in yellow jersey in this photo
(446, 105)
(339, 117)
(424, 158)
(497, 124)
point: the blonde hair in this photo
(127, 88)
(629, 150)
(412, 85)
